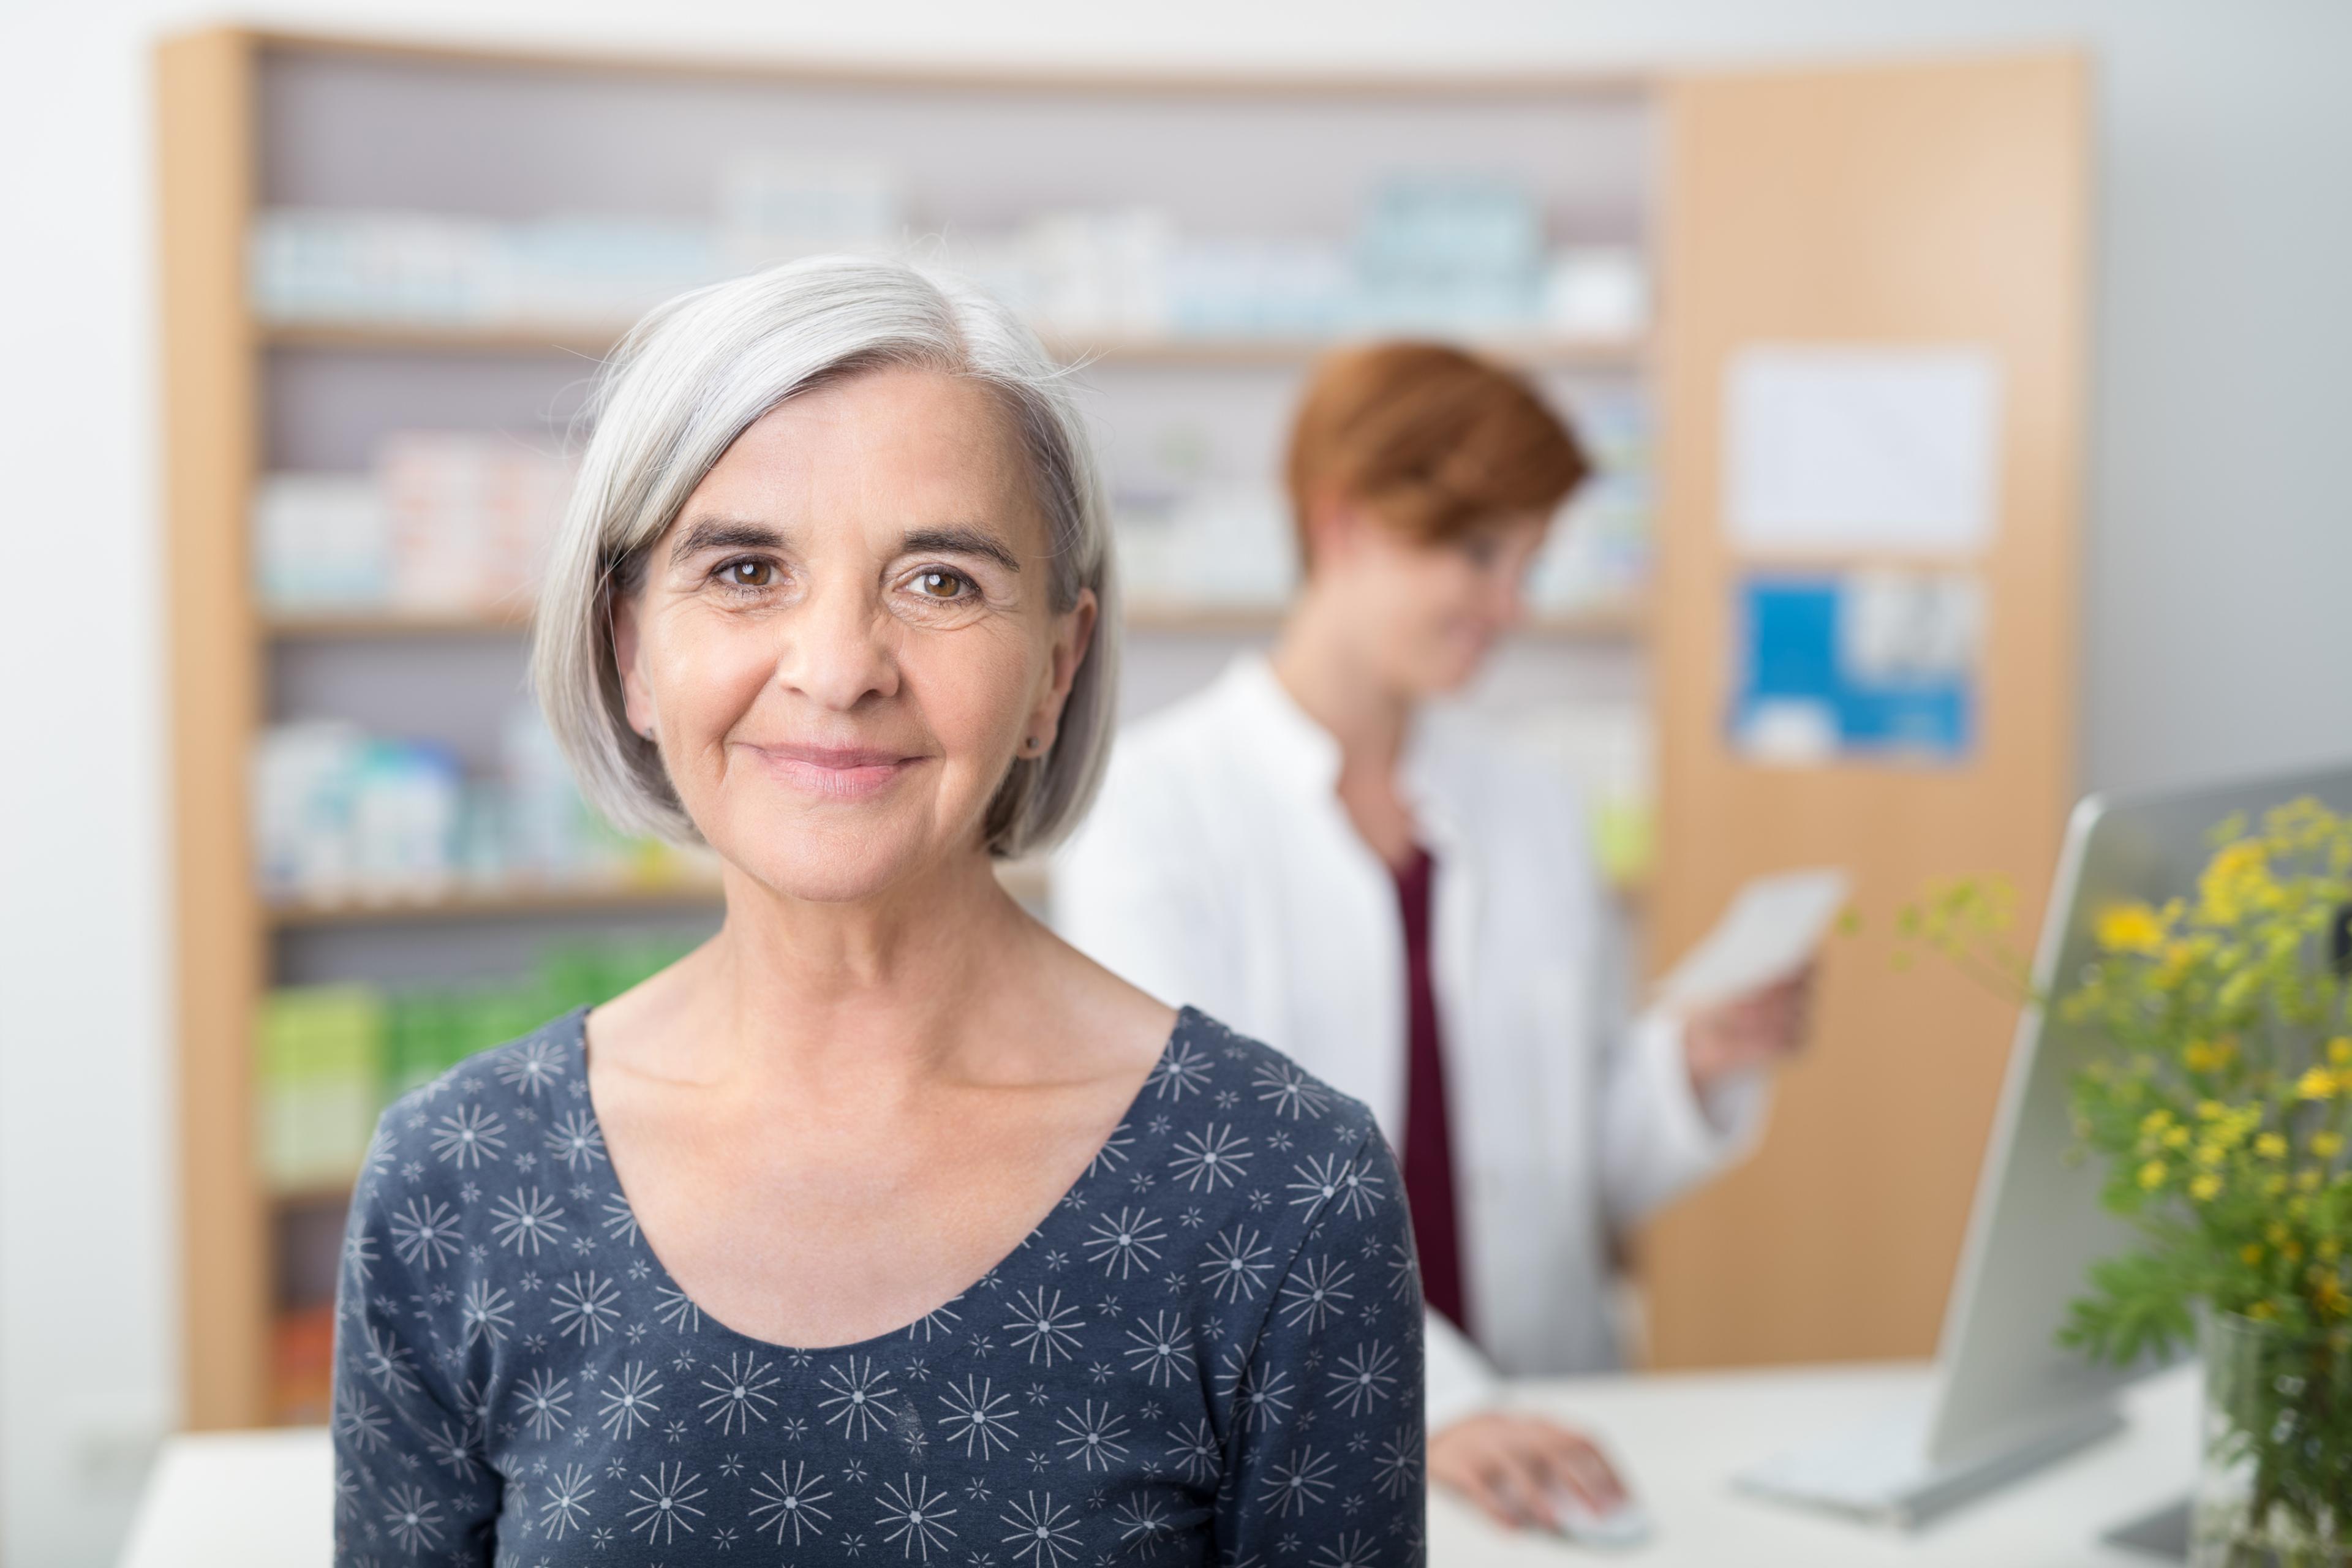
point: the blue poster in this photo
(1864, 665)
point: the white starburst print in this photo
(358, 1422)
(587, 1307)
(529, 1067)
(978, 1417)
(620, 1221)
(914, 1514)
(386, 1360)
(1316, 1293)
(576, 1139)
(788, 1502)
(1397, 1467)
(1196, 1451)
(546, 1403)
(1364, 1378)
(1210, 1158)
(856, 1399)
(739, 1395)
(1292, 1093)
(1183, 1066)
(468, 1136)
(1044, 1328)
(1299, 1482)
(1159, 1348)
(1143, 1523)
(413, 1517)
(937, 1323)
(425, 1234)
(527, 1222)
(567, 1501)
(1264, 1396)
(1044, 1533)
(629, 1402)
(1127, 1243)
(1349, 1549)
(487, 1313)
(664, 1504)
(1237, 1265)
(1337, 1179)
(677, 1310)
(1093, 1434)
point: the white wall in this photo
(2221, 549)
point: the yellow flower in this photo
(2270, 1146)
(2262, 1311)
(2273, 1186)
(2306, 1181)
(2275, 1234)
(2317, 1083)
(2210, 1154)
(2208, 1055)
(2130, 928)
(2205, 1187)
(2326, 1145)
(2151, 1175)
(2339, 1051)
(2251, 1254)
(2211, 1110)
(2176, 1137)
(2156, 1120)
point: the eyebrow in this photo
(964, 541)
(718, 533)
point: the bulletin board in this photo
(1872, 371)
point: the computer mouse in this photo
(1618, 1529)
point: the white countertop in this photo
(260, 1499)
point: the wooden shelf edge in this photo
(464, 903)
(594, 342)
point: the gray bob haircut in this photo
(699, 371)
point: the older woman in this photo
(884, 1223)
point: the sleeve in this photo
(1325, 1459)
(1129, 893)
(1462, 1382)
(1658, 1136)
(412, 1484)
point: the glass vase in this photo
(2274, 1483)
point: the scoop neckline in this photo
(662, 1279)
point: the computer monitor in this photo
(2008, 1397)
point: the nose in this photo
(839, 649)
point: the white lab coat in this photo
(1220, 868)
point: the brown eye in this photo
(748, 573)
(944, 585)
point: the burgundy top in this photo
(1427, 1157)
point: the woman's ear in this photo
(628, 660)
(1074, 633)
(1334, 525)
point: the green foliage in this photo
(2219, 1099)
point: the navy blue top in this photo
(1209, 1352)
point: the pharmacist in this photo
(1408, 906)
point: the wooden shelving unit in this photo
(245, 396)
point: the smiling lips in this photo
(835, 772)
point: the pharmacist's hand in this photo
(1509, 1464)
(1760, 1029)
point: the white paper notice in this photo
(1773, 926)
(1831, 448)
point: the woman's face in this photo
(1426, 615)
(848, 635)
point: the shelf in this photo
(474, 903)
(1024, 878)
(359, 626)
(594, 342)
(1601, 623)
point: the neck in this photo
(1316, 663)
(872, 997)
